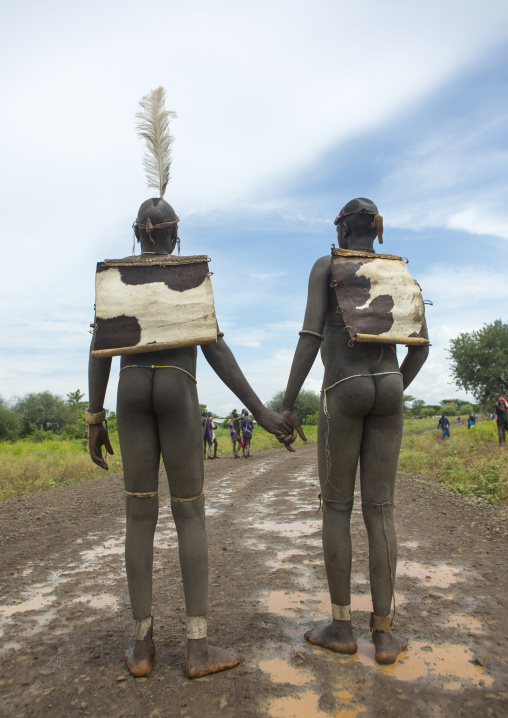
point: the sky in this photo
(286, 111)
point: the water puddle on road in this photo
(439, 575)
(464, 622)
(318, 604)
(305, 705)
(281, 672)
(429, 660)
(302, 706)
(305, 527)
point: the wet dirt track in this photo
(65, 617)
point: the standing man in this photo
(444, 424)
(158, 414)
(247, 429)
(360, 414)
(502, 417)
(235, 432)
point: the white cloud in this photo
(462, 303)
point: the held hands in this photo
(295, 426)
(97, 438)
(282, 426)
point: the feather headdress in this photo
(153, 127)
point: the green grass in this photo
(470, 461)
(261, 440)
(411, 426)
(29, 466)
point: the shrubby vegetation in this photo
(448, 407)
(306, 405)
(470, 461)
(480, 360)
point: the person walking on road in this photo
(444, 424)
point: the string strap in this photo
(155, 366)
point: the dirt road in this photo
(65, 616)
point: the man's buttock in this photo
(359, 396)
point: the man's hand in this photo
(294, 425)
(98, 437)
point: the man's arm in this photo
(413, 362)
(98, 377)
(308, 344)
(221, 359)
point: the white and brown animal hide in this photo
(149, 304)
(378, 298)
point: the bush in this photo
(10, 423)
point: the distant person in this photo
(444, 424)
(458, 419)
(209, 435)
(502, 417)
(247, 428)
(235, 431)
(471, 421)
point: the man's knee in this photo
(142, 506)
(332, 508)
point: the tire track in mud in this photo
(65, 616)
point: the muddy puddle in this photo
(439, 575)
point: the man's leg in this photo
(382, 436)
(339, 440)
(176, 402)
(139, 444)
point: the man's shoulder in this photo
(322, 267)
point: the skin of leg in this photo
(382, 435)
(346, 407)
(139, 444)
(177, 409)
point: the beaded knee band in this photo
(142, 494)
(193, 498)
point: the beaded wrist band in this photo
(97, 418)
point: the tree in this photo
(480, 360)
(44, 410)
(417, 406)
(406, 400)
(306, 404)
(10, 424)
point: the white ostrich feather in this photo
(153, 127)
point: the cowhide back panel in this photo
(379, 300)
(152, 305)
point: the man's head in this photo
(360, 221)
(156, 226)
(245, 412)
(234, 413)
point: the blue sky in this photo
(286, 110)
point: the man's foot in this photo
(336, 636)
(202, 658)
(388, 646)
(210, 457)
(140, 658)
